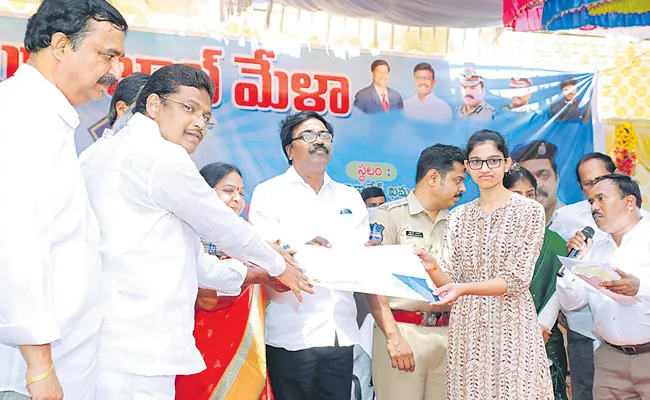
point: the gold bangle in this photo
(41, 376)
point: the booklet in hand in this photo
(594, 274)
(420, 286)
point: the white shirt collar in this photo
(140, 120)
(381, 91)
(428, 97)
(293, 177)
(108, 133)
(639, 229)
(51, 92)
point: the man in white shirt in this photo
(309, 346)
(425, 105)
(622, 362)
(125, 94)
(566, 221)
(152, 204)
(50, 271)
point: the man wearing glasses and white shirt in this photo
(152, 204)
(622, 361)
(567, 222)
(310, 346)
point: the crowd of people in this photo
(127, 273)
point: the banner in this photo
(382, 117)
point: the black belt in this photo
(632, 350)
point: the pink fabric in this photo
(523, 15)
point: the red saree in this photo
(231, 341)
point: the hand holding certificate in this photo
(384, 270)
(596, 274)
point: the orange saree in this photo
(231, 341)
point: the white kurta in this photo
(152, 204)
(50, 271)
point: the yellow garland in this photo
(626, 138)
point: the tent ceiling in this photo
(448, 13)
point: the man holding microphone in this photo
(622, 361)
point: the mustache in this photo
(542, 192)
(458, 196)
(470, 96)
(596, 214)
(107, 80)
(317, 147)
(197, 133)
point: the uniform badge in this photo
(376, 232)
(541, 150)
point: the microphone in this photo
(588, 231)
(589, 234)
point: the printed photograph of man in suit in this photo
(568, 108)
(378, 97)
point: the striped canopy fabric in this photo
(554, 15)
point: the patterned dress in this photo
(496, 349)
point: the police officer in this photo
(521, 94)
(539, 158)
(410, 337)
(472, 91)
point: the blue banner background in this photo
(250, 139)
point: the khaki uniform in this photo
(482, 111)
(404, 221)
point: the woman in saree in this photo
(542, 286)
(229, 330)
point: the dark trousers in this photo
(581, 365)
(319, 373)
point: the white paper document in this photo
(364, 269)
(594, 273)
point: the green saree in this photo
(542, 287)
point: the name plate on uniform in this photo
(414, 234)
(373, 270)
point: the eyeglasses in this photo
(190, 109)
(311, 136)
(492, 163)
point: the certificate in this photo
(383, 270)
(594, 273)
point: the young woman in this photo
(229, 331)
(542, 286)
(495, 348)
